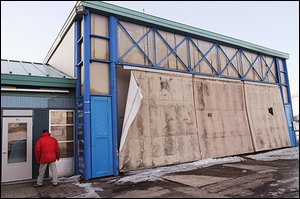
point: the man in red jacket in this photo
(47, 152)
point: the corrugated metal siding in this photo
(61, 103)
(37, 102)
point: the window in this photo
(62, 128)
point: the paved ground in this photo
(249, 178)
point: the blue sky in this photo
(28, 29)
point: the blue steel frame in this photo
(113, 57)
(292, 134)
(114, 60)
(279, 78)
(87, 96)
(289, 102)
(216, 70)
(78, 40)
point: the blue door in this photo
(289, 118)
(101, 135)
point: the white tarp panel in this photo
(164, 130)
(133, 104)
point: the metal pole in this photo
(290, 126)
(113, 55)
(78, 80)
(86, 96)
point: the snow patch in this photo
(73, 179)
(89, 189)
(281, 154)
(156, 173)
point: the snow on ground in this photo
(281, 154)
(73, 179)
(89, 189)
(156, 173)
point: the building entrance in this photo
(17, 149)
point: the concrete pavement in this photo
(249, 178)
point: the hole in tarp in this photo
(271, 111)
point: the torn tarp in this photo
(133, 104)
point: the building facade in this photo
(153, 92)
(35, 97)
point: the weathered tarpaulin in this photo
(266, 117)
(183, 118)
(133, 103)
(164, 130)
(221, 118)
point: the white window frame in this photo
(67, 141)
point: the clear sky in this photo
(29, 28)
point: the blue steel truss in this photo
(269, 69)
(230, 62)
(136, 44)
(216, 70)
(204, 57)
(172, 50)
(251, 67)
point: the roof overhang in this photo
(24, 80)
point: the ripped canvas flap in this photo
(134, 99)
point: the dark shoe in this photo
(37, 185)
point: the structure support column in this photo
(87, 97)
(289, 109)
(78, 80)
(113, 56)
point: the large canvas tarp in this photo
(164, 130)
(184, 118)
(134, 99)
(221, 118)
(266, 117)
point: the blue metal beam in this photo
(290, 126)
(78, 80)
(279, 78)
(154, 38)
(189, 54)
(86, 97)
(99, 36)
(219, 61)
(287, 81)
(241, 63)
(188, 72)
(113, 55)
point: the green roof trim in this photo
(139, 16)
(8, 79)
(34, 74)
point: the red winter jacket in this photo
(47, 149)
